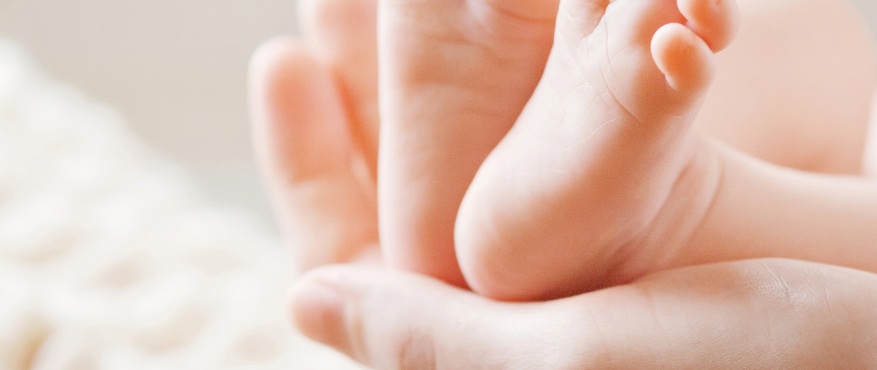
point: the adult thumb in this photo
(307, 156)
(397, 320)
(765, 314)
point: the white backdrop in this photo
(176, 69)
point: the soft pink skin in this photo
(342, 39)
(601, 182)
(760, 314)
(445, 103)
(602, 154)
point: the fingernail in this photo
(318, 311)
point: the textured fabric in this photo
(110, 259)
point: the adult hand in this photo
(765, 314)
(314, 109)
(754, 314)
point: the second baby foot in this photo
(454, 76)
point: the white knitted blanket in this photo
(110, 259)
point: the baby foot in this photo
(454, 76)
(601, 179)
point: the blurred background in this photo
(175, 69)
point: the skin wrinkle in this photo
(603, 70)
(473, 105)
(595, 14)
(510, 14)
(606, 69)
(571, 147)
(418, 352)
(558, 345)
(585, 139)
(581, 341)
(780, 284)
(529, 360)
(822, 275)
(602, 344)
(827, 298)
(429, 75)
(566, 98)
(720, 168)
(533, 126)
(872, 343)
(646, 294)
(486, 48)
(505, 13)
(552, 358)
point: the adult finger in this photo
(765, 314)
(343, 36)
(306, 154)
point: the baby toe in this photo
(685, 60)
(715, 21)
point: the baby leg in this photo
(795, 87)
